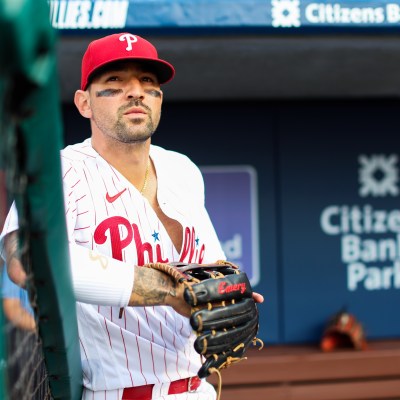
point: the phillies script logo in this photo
(110, 230)
(223, 287)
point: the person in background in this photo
(16, 306)
(25, 366)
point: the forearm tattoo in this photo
(152, 287)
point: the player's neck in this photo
(131, 160)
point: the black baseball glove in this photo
(223, 312)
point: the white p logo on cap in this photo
(129, 39)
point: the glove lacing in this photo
(229, 361)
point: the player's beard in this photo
(132, 130)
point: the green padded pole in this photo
(28, 54)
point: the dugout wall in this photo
(327, 202)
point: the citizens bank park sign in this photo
(239, 14)
(369, 236)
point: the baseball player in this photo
(128, 203)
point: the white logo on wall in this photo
(369, 237)
(285, 13)
(378, 175)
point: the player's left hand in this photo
(223, 310)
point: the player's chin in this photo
(134, 137)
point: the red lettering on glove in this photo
(223, 287)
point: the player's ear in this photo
(82, 103)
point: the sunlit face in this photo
(125, 101)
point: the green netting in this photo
(31, 137)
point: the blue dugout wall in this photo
(326, 179)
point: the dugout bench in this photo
(306, 373)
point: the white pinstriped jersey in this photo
(107, 214)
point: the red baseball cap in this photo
(122, 46)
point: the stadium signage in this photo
(369, 236)
(272, 14)
(86, 14)
(236, 222)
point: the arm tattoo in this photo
(152, 287)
